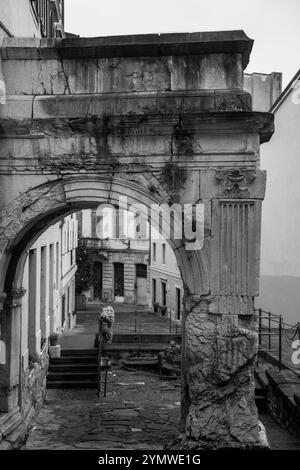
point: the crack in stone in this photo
(67, 84)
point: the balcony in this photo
(114, 244)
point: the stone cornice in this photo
(212, 122)
(223, 42)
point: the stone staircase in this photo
(76, 368)
(152, 344)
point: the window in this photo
(141, 270)
(153, 290)
(43, 289)
(119, 279)
(154, 252)
(93, 224)
(163, 293)
(163, 253)
(57, 266)
(32, 297)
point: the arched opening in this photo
(71, 195)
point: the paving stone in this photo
(76, 420)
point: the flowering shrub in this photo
(108, 317)
(108, 314)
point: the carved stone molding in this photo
(14, 297)
(235, 182)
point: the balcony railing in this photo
(114, 243)
(90, 243)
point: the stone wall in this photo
(14, 426)
(34, 384)
(281, 399)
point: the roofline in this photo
(284, 93)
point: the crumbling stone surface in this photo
(220, 386)
(34, 385)
(169, 360)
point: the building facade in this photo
(280, 245)
(166, 287)
(32, 18)
(45, 302)
(119, 257)
(264, 88)
(280, 260)
(48, 305)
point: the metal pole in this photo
(270, 342)
(99, 356)
(106, 373)
(280, 342)
(259, 325)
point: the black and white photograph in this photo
(149, 232)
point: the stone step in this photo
(129, 347)
(79, 352)
(71, 376)
(9, 421)
(72, 384)
(61, 367)
(140, 362)
(75, 360)
(146, 338)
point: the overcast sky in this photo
(273, 24)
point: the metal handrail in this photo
(275, 327)
(100, 348)
(270, 332)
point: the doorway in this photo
(141, 284)
(119, 282)
(163, 293)
(97, 280)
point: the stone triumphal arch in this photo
(159, 118)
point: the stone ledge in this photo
(286, 382)
(17, 436)
(130, 46)
(282, 388)
(65, 115)
(9, 421)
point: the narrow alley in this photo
(140, 411)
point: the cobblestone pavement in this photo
(140, 411)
